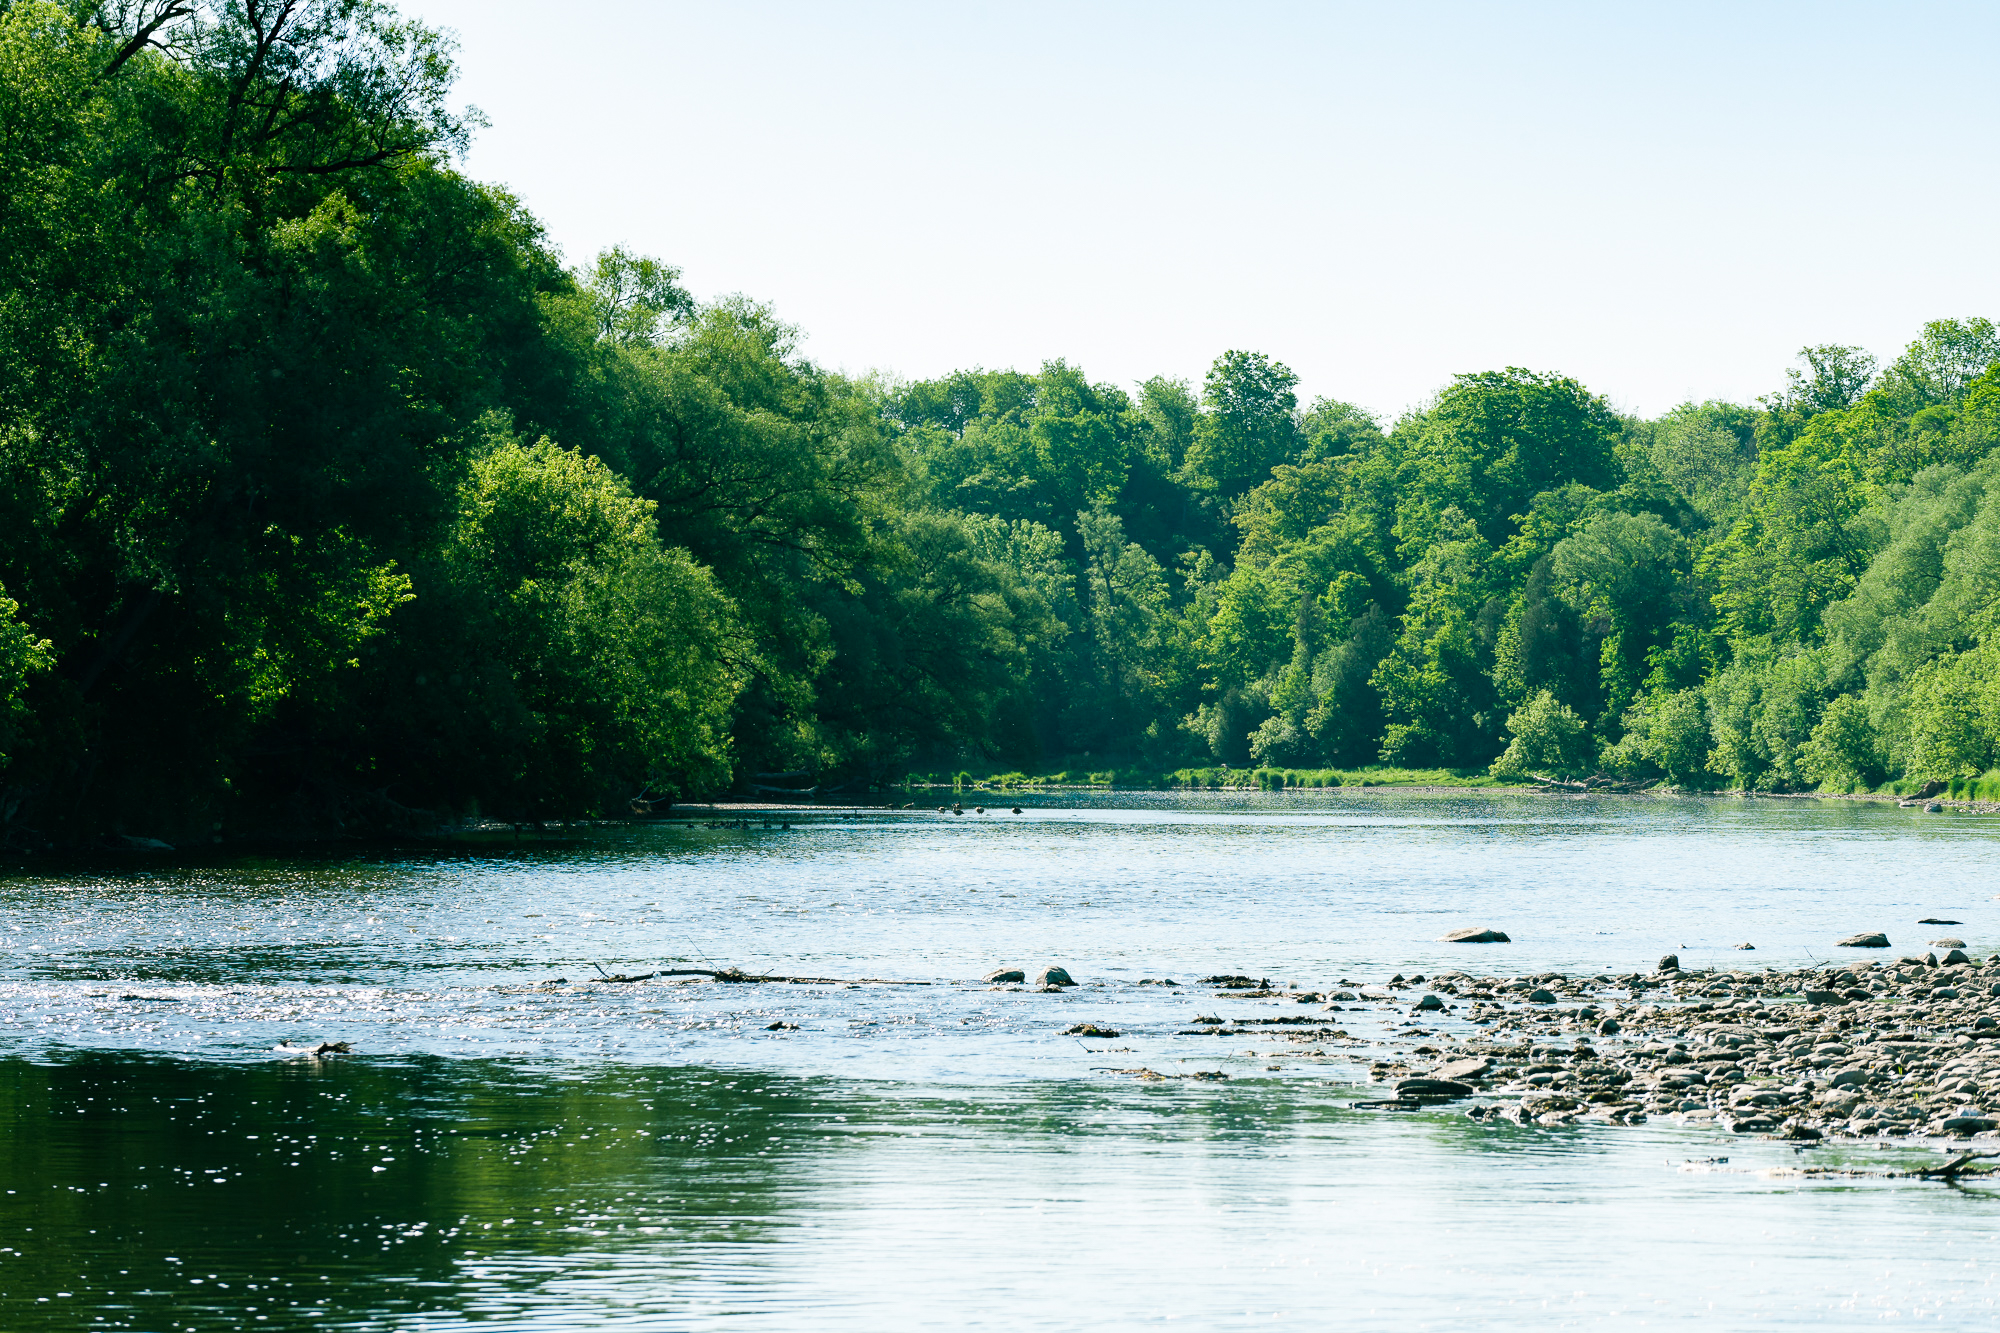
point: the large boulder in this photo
(1873, 939)
(1461, 1071)
(1053, 976)
(1477, 935)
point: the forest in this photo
(336, 499)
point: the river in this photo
(901, 1145)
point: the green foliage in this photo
(1250, 425)
(1666, 735)
(329, 499)
(1546, 739)
(1493, 442)
(1841, 754)
(22, 656)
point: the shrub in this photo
(1549, 739)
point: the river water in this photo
(850, 1153)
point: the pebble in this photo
(1902, 1049)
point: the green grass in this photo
(1216, 778)
(1985, 787)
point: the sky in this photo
(1665, 201)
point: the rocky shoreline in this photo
(1902, 1048)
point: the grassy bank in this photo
(1217, 778)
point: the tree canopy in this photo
(334, 498)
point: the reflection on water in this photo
(156, 1194)
(939, 1155)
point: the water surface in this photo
(519, 1155)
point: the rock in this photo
(1955, 958)
(1746, 946)
(1874, 939)
(1947, 943)
(1825, 997)
(781, 1026)
(1969, 1124)
(144, 844)
(1053, 976)
(1938, 921)
(1432, 1089)
(1542, 1103)
(1539, 996)
(1461, 1071)
(1934, 808)
(1608, 1028)
(1430, 1002)
(1753, 1124)
(1801, 1133)
(1017, 809)
(1671, 963)
(325, 1048)
(1005, 974)
(1475, 935)
(1090, 1030)
(1849, 1078)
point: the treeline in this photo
(332, 499)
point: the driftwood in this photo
(738, 975)
(1597, 783)
(1957, 1169)
(1958, 1166)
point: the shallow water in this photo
(531, 1156)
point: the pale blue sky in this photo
(1663, 200)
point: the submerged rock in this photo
(1432, 1089)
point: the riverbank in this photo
(1908, 1048)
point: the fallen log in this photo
(738, 976)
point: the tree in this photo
(1249, 426)
(1547, 739)
(1494, 441)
